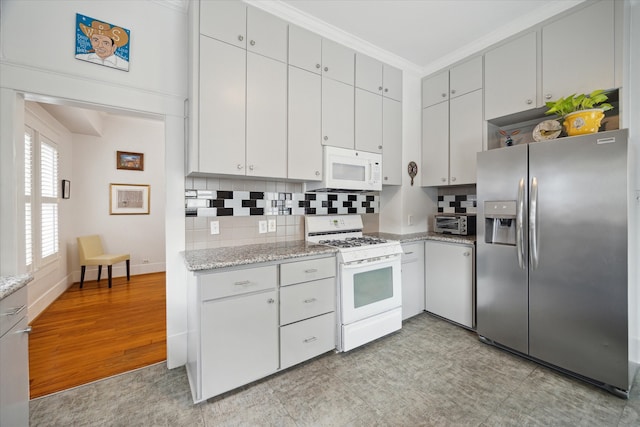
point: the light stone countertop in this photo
(427, 235)
(10, 284)
(231, 256)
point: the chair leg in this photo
(128, 276)
(99, 272)
(109, 270)
(82, 270)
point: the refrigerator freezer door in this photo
(578, 290)
(502, 287)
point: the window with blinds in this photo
(41, 199)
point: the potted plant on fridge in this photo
(580, 114)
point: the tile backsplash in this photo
(451, 203)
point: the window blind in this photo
(49, 197)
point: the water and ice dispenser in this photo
(500, 222)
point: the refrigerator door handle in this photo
(519, 225)
(533, 224)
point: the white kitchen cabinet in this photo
(338, 62)
(510, 75)
(412, 279)
(337, 114)
(222, 108)
(307, 309)
(368, 74)
(304, 144)
(14, 360)
(266, 141)
(435, 145)
(233, 329)
(465, 137)
(225, 21)
(391, 142)
(575, 60)
(435, 89)
(368, 121)
(449, 281)
(452, 131)
(244, 26)
(305, 49)
(392, 82)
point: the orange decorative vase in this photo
(583, 122)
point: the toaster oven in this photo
(461, 224)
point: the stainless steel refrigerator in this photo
(552, 255)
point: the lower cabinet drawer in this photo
(306, 300)
(12, 309)
(303, 340)
(237, 282)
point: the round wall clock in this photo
(413, 170)
(544, 131)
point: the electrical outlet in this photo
(262, 227)
(215, 227)
(271, 225)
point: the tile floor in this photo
(431, 373)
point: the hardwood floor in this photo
(96, 332)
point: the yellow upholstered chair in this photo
(91, 253)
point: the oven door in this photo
(369, 288)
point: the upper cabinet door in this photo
(435, 145)
(392, 82)
(510, 77)
(305, 49)
(465, 137)
(266, 34)
(305, 126)
(337, 62)
(368, 74)
(435, 89)
(368, 121)
(466, 77)
(225, 21)
(337, 114)
(586, 60)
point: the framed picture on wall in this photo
(129, 199)
(130, 161)
(102, 43)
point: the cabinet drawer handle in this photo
(24, 331)
(312, 339)
(311, 270)
(14, 311)
(408, 253)
(310, 300)
(243, 283)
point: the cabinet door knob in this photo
(379, 87)
(444, 95)
(326, 68)
(386, 178)
(386, 89)
(239, 166)
(271, 300)
(529, 101)
(453, 178)
(443, 179)
(251, 167)
(379, 147)
(453, 91)
(240, 38)
(547, 96)
(326, 138)
(252, 42)
(466, 254)
(317, 65)
(317, 173)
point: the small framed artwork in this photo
(66, 189)
(129, 199)
(102, 43)
(130, 161)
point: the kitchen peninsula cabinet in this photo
(449, 281)
(452, 130)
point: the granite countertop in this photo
(230, 256)
(10, 284)
(427, 235)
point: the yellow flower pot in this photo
(583, 122)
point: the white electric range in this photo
(369, 291)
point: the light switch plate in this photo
(271, 225)
(262, 227)
(215, 227)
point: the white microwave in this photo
(351, 170)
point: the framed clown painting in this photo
(102, 43)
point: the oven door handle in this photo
(385, 259)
